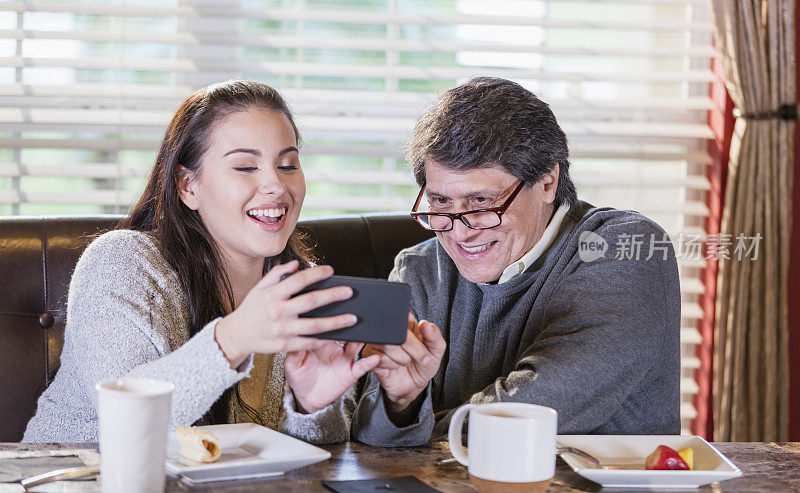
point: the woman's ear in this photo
(185, 182)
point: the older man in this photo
(538, 295)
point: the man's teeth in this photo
(476, 249)
(267, 212)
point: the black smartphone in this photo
(381, 308)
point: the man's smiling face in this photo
(482, 255)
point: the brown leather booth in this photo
(38, 254)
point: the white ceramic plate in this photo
(630, 451)
(248, 451)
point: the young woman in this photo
(198, 283)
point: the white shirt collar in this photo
(544, 242)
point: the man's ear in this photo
(185, 183)
(550, 184)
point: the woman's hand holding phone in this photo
(267, 320)
(320, 376)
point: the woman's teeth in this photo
(476, 249)
(267, 212)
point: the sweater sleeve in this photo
(601, 334)
(121, 320)
(330, 424)
(371, 423)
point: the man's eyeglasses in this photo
(477, 219)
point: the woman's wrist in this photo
(303, 407)
(227, 343)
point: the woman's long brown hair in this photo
(182, 238)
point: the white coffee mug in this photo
(508, 441)
(134, 419)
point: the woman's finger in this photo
(306, 302)
(319, 325)
(295, 360)
(274, 275)
(304, 344)
(351, 349)
(330, 349)
(300, 280)
(362, 366)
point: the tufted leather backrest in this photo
(38, 254)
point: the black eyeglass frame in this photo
(460, 215)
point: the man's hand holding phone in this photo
(405, 370)
(407, 359)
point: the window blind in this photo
(86, 90)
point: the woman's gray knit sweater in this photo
(127, 317)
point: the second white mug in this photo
(508, 441)
(134, 417)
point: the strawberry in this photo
(665, 458)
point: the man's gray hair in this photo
(489, 121)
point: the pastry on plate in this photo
(198, 445)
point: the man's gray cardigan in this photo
(598, 339)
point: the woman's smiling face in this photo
(250, 188)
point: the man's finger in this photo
(432, 338)
(396, 354)
(369, 350)
(382, 373)
(386, 361)
(415, 349)
(413, 326)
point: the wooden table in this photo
(769, 467)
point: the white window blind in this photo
(86, 89)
